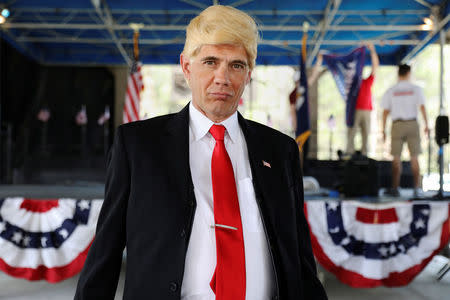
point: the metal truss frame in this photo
(105, 27)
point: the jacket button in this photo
(183, 233)
(173, 286)
(275, 298)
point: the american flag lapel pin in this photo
(266, 164)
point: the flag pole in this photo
(304, 39)
(136, 27)
(301, 139)
(134, 82)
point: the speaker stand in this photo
(440, 194)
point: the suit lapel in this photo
(178, 153)
(262, 161)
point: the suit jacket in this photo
(149, 206)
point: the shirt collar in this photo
(200, 124)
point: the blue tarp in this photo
(74, 32)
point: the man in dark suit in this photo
(208, 204)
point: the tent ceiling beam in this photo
(329, 14)
(181, 41)
(424, 3)
(240, 2)
(429, 36)
(387, 12)
(285, 28)
(78, 31)
(195, 3)
(104, 14)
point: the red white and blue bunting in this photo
(368, 245)
(46, 240)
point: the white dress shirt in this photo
(201, 254)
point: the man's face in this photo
(217, 76)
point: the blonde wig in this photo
(220, 24)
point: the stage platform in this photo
(78, 190)
(89, 190)
(406, 194)
(424, 287)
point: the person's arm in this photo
(385, 115)
(316, 70)
(101, 271)
(425, 119)
(293, 112)
(374, 58)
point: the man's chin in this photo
(221, 111)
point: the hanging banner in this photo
(347, 72)
(303, 129)
(368, 245)
(46, 240)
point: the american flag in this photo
(81, 117)
(133, 98)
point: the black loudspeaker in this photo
(441, 128)
(361, 177)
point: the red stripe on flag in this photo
(132, 98)
(39, 206)
(134, 113)
(126, 116)
(376, 216)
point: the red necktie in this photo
(228, 282)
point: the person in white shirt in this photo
(402, 102)
(208, 204)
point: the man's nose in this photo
(222, 75)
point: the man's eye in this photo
(209, 62)
(238, 66)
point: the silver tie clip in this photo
(224, 226)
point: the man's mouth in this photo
(220, 95)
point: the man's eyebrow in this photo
(214, 58)
(238, 61)
(209, 58)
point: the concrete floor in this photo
(78, 190)
(424, 287)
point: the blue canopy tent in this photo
(97, 32)
(83, 33)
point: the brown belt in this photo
(402, 120)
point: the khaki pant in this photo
(362, 120)
(405, 131)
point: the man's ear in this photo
(185, 66)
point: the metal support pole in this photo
(2, 93)
(441, 77)
(441, 172)
(331, 145)
(9, 154)
(83, 141)
(429, 155)
(44, 134)
(440, 194)
(106, 139)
